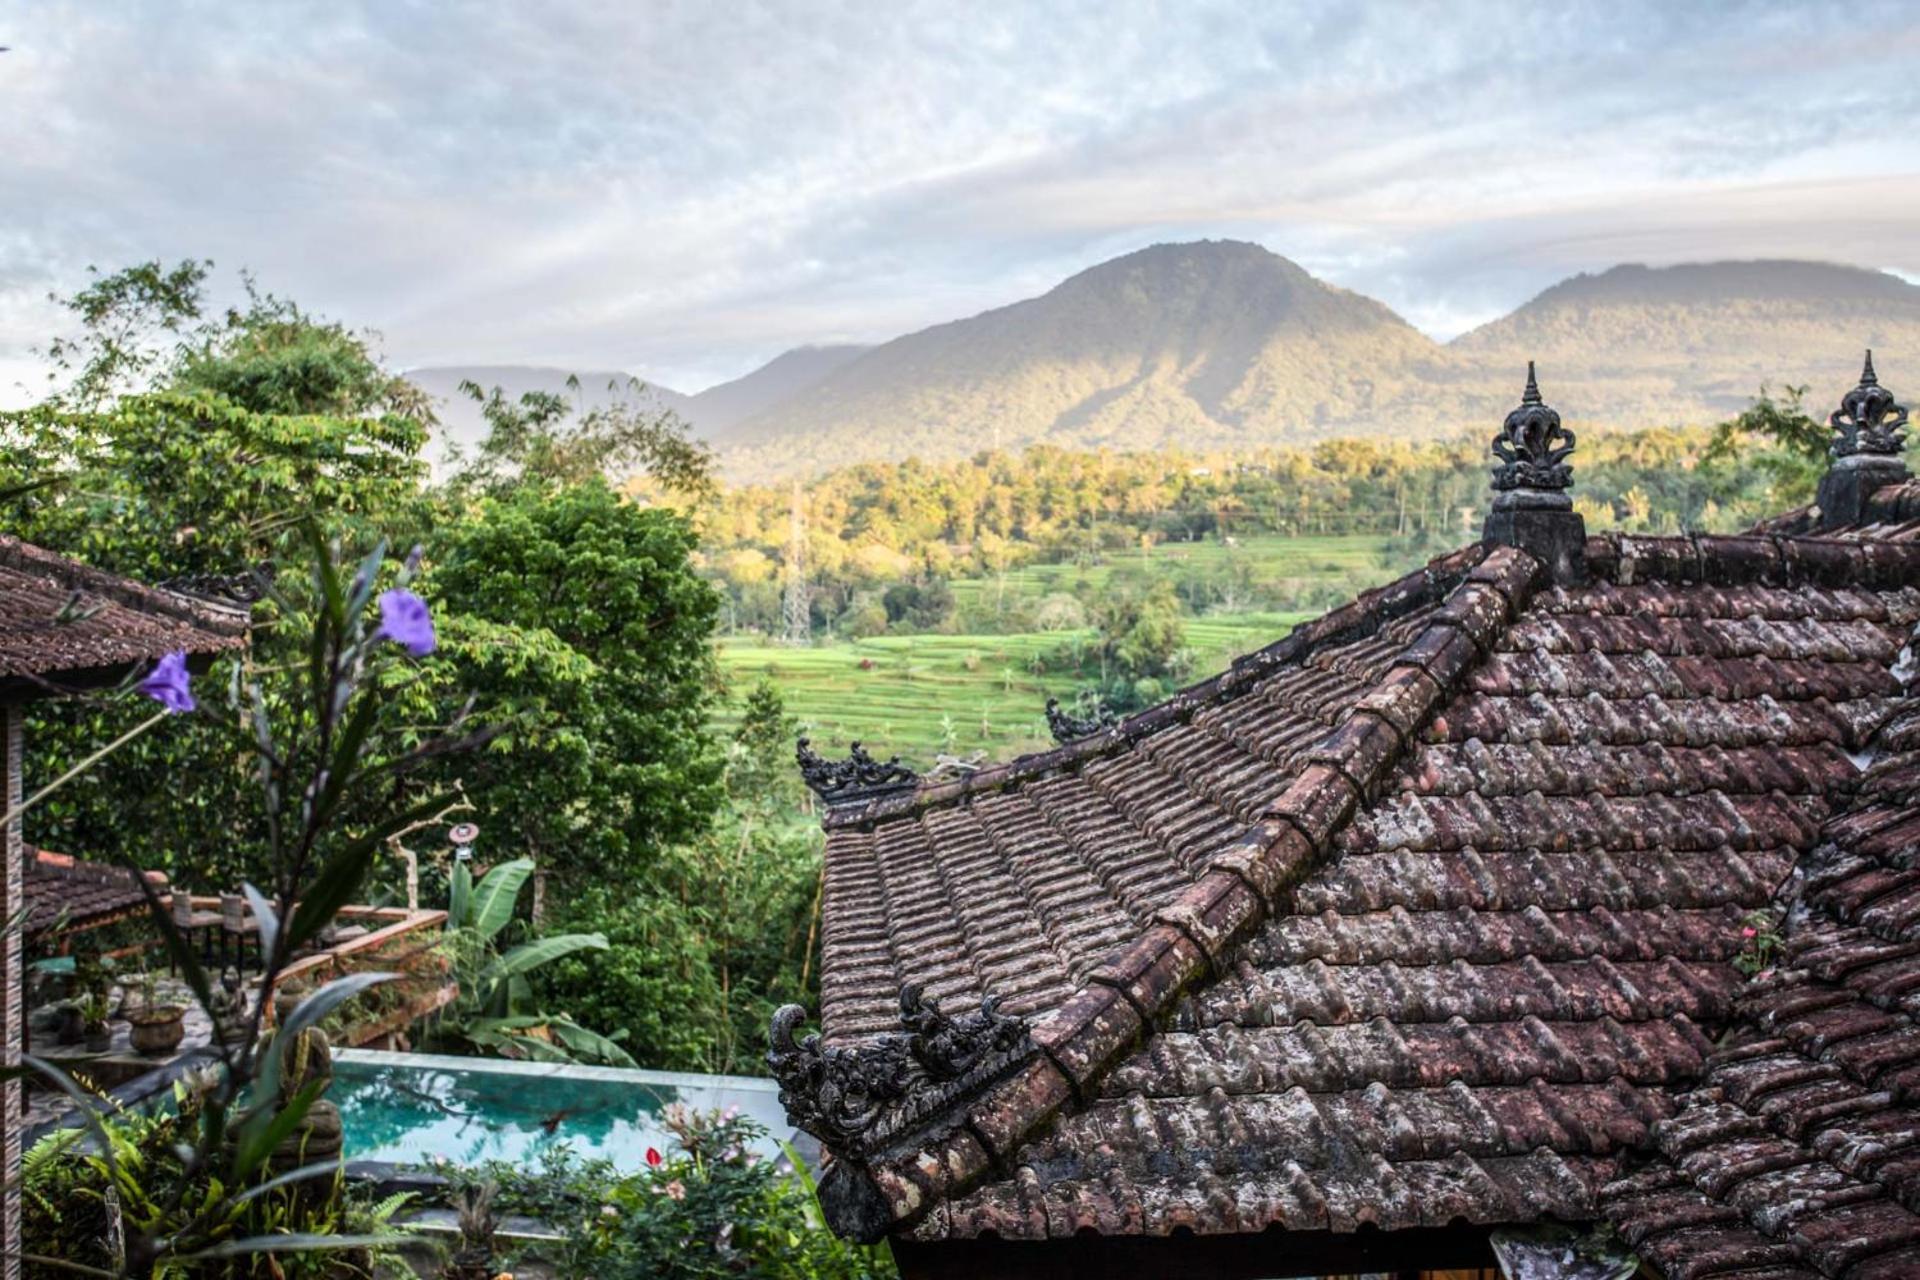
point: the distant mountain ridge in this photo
(1224, 344)
(712, 413)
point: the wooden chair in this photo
(236, 926)
(190, 922)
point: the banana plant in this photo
(491, 1014)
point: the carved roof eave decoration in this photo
(228, 589)
(1067, 727)
(1366, 614)
(1134, 989)
(853, 780)
(863, 1098)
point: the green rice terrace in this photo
(924, 695)
(917, 696)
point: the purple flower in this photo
(405, 621)
(167, 684)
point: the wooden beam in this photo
(13, 984)
(1189, 1256)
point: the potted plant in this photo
(95, 1033)
(153, 1027)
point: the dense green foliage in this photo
(65, 1189)
(569, 618)
(492, 1013)
(722, 929)
(711, 1209)
(872, 527)
(600, 793)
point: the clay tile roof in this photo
(1426, 913)
(74, 894)
(59, 617)
(1799, 1145)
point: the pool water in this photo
(411, 1108)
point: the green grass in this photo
(984, 689)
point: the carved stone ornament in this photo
(233, 588)
(857, 1098)
(1868, 422)
(858, 775)
(1532, 446)
(1068, 728)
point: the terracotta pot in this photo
(157, 1030)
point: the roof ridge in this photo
(981, 1116)
(1366, 613)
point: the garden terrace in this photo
(387, 939)
(1425, 922)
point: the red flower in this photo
(1749, 932)
(653, 1158)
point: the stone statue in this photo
(228, 1008)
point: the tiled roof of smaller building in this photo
(74, 894)
(60, 617)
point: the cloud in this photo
(685, 190)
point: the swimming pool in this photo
(412, 1108)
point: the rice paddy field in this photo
(1267, 558)
(919, 696)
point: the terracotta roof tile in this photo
(62, 618)
(74, 894)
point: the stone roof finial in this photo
(1531, 507)
(1868, 421)
(1869, 432)
(1532, 447)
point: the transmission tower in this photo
(797, 628)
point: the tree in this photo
(272, 357)
(1141, 640)
(716, 933)
(179, 479)
(124, 319)
(541, 440)
(583, 573)
(1780, 439)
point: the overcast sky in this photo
(684, 190)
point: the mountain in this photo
(717, 410)
(711, 413)
(1222, 344)
(1218, 343)
(1639, 345)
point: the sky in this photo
(682, 191)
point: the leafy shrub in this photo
(67, 1186)
(714, 1208)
